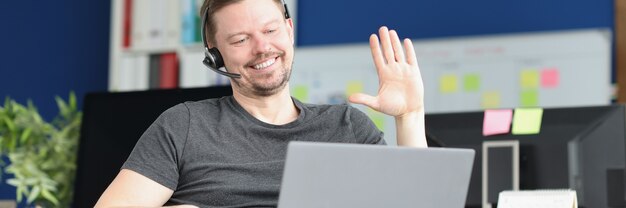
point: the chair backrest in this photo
(112, 124)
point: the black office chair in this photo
(112, 124)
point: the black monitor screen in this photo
(575, 149)
(112, 124)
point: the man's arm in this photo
(131, 189)
(401, 91)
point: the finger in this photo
(364, 99)
(397, 46)
(385, 42)
(377, 55)
(411, 58)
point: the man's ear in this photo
(290, 30)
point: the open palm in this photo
(401, 90)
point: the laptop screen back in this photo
(353, 175)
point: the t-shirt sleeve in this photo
(157, 153)
(365, 131)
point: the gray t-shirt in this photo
(213, 153)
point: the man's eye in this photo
(271, 31)
(240, 41)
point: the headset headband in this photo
(206, 17)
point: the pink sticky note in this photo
(497, 122)
(550, 78)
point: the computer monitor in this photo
(577, 148)
(112, 124)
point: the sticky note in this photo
(490, 100)
(301, 92)
(527, 121)
(529, 98)
(471, 82)
(354, 87)
(448, 83)
(550, 78)
(497, 121)
(378, 119)
(529, 79)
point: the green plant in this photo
(42, 154)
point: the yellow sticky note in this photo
(490, 100)
(529, 98)
(527, 121)
(378, 119)
(354, 87)
(471, 82)
(301, 92)
(529, 79)
(448, 83)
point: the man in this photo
(230, 152)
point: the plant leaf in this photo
(72, 100)
(13, 182)
(25, 135)
(9, 123)
(62, 105)
(7, 100)
(34, 193)
(47, 195)
(18, 193)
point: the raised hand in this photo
(401, 90)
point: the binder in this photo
(173, 23)
(168, 71)
(188, 26)
(133, 74)
(157, 23)
(198, 21)
(140, 23)
(154, 71)
(127, 19)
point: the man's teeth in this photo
(265, 64)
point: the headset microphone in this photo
(212, 57)
(213, 60)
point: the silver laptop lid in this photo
(328, 175)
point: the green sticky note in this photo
(471, 82)
(490, 100)
(527, 121)
(529, 79)
(354, 87)
(378, 119)
(301, 92)
(448, 83)
(529, 98)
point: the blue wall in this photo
(52, 47)
(332, 21)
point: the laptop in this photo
(329, 175)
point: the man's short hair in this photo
(216, 5)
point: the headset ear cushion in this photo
(215, 58)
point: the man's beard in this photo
(268, 89)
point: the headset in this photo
(212, 57)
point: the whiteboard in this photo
(539, 69)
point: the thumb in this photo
(364, 99)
